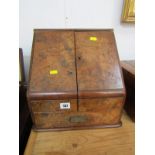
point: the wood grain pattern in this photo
(94, 112)
(53, 50)
(100, 104)
(113, 141)
(53, 106)
(89, 76)
(59, 120)
(97, 64)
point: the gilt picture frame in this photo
(128, 12)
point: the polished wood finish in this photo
(53, 106)
(114, 141)
(105, 111)
(98, 67)
(95, 112)
(129, 78)
(88, 76)
(53, 50)
(59, 121)
(101, 104)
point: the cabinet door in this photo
(53, 72)
(98, 69)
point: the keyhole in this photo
(79, 57)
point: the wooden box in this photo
(75, 80)
(128, 67)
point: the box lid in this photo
(98, 69)
(52, 71)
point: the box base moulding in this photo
(80, 128)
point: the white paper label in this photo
(65, 105)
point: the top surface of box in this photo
(74, 63)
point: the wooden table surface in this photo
(112, 141)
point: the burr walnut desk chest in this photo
(75, 80)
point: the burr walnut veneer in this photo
(75, 80)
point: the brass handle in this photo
(78, 119)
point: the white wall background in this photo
(74, 14)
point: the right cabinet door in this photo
(98, 68)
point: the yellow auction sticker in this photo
(53, 72)
(93, 38)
